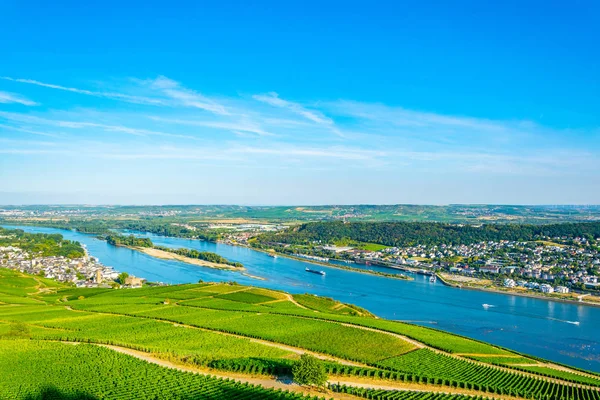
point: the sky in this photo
(299, 102)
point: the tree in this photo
(309, 371)
(122, 277)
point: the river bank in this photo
(166, 255)
(330, 265)
(513, 292)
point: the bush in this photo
(309, 371)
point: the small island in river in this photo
(190, 256)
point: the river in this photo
(538, 327)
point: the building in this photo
(509, 283)
(561, 289)
(98, 277)
(511, 269)
(490, 269)
(545, 288)
(133, 281)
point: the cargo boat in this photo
(314, 271)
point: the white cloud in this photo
(236, 126)
(29, 119)
(110, 95)
(168, 93)
(334, 152)
(26, 130)
(6, 97)
(402, 117)
(317, 117)
(186, 97)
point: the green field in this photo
(243, 330)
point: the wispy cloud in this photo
(235, 126)
(167, 93)
(7, 97)
(186, 97)
(110, 95)
(26, 130)
(405, 118)
(333, 152)
(273, 99)
(267, 130)
(30, 119)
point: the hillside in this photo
(221, 340)
(424, 233)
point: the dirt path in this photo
(559, 368)
(291, 349)
(287, 384)
(283, 384)
(415, 343)
(280, 346)
(413, 387)
(293, 301)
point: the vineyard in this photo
(445, 369)
(248, 331)
(397, 395)
(31, 369)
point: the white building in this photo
(561, 289)
(509, 283)
(545, 288)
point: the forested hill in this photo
(427, 233)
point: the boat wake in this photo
(486, 306)
(566, 322)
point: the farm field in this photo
(234, 329)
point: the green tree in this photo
(309, 371)
(19, 329)
(122, 277)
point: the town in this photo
(86, 271)
(552, 265)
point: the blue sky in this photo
(299, 102)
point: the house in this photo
(490, 269)
(545, 288)
(509, 270)
(133, 281)
(561, 289)
(509, 283)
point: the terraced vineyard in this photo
(466, 374)
(30, 369)
(395, 394)
(230, 329)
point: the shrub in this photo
(309, 371)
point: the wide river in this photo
(543, 328)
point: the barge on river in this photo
(314, 271)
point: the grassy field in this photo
(237, 328)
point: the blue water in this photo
(532, 326)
